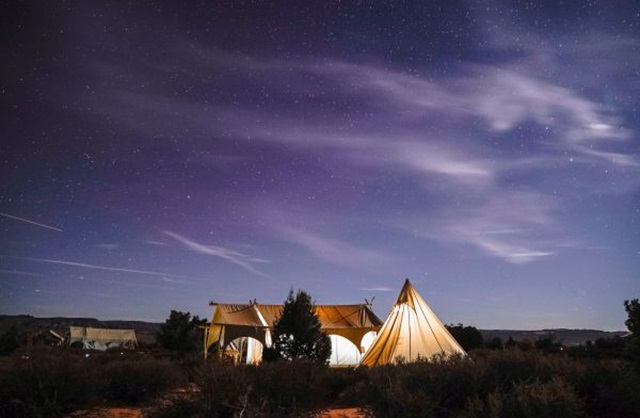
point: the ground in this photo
(140, 413)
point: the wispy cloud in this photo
(426, 158)
(334, 251)
(377, 289)
(243, 260)
(159, 243)
(516, 227)
(455, 135)
(502, 98)
(414, 120)
(6, 215)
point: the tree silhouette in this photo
(494, 344)
(633, 321)
(467, 336)
(297, 333)
(9, 341)
(180, 334)
(633, 324)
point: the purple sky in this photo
(159, 157)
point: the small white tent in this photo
(411, 331)
(102, 339)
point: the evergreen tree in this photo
(468, 337)
(633, 316)
(633, 324)
(297, 333)
(180, 333)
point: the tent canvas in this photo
(344, 353)
(102, 338)
(412, 330)
(232, 321)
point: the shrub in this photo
(280, 389)
(285, 388)
(423, 388)
(608, 388)
(504, 384)
(224, 388)
(54, 382)
(46, 383)
(534, 399)
(136, 380)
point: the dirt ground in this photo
(139, 413)
(109, 413)
(342, 413)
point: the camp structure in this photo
(102, 339)
(242, 330)
(411, 331)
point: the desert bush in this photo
(609, 388)
(424, 388)
(345, 385)
(555, 398)
(504, 384)
(44, 383)
(224, 389)
(280, 389)
(286, 389)
(494, 344)
(490, 383)
(601, 348)
(135, 380)
(51, 382)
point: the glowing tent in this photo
(411, 331)
(238, 328)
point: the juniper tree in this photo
(297, 332)
(633, 324)
(180, 334)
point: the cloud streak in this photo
(98, 267)
(232, 256)
(31, 222)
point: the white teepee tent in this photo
(411, 331)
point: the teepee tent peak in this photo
(412, 331)
(406, 294)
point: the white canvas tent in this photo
(242, 330)
(102, 339)
(411, 331)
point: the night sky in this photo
(158, 156)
